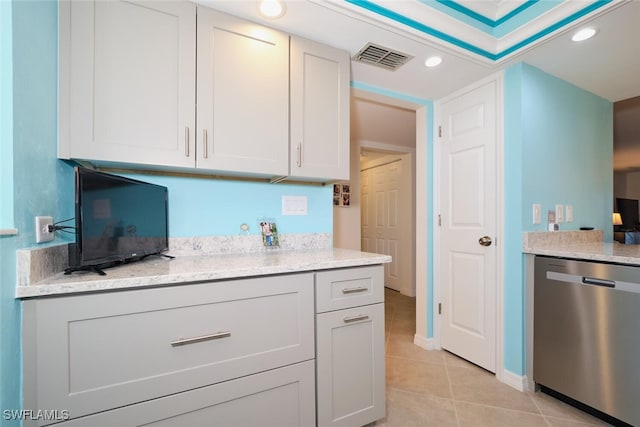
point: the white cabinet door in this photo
(243, 96)
(282, 397)
(319, 111)
(350, 366)
(127, 82)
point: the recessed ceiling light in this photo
(584, 34)
(433, 61)
(271, 8)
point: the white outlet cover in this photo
(568, 210)
(42, 233)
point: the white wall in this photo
(346, 220)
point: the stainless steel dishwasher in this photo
(586, 342)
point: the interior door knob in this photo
(485, 241)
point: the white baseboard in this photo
(426, 343)
(519, 382)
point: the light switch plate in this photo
(537, 213)
(294, 205)
(559, 214)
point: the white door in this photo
(386, 220)
(468, 225)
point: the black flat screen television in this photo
(628, 209)
(117, 220)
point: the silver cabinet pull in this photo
(216, 336)
(299, 161)
(205, 143)
(355, 318)
(186, 141)
(354, 290)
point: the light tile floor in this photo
(436, 388)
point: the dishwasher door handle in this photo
(599, 282)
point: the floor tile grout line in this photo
(453, 400)
(539, 410)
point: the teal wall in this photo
(558, 150)
(9, 380)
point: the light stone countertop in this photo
(586, 245)
(159, 271)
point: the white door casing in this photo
(469, 209)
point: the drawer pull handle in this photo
(355, 318)
(354, 290)
(185, 341)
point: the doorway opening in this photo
(377, 121)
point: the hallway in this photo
(436, 388)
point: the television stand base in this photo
(95, 269)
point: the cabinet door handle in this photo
(354, 290)
(216, 336)
(355, 318)
(299, 161)
(186, 141)
(205, 143)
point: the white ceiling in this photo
(607, 65)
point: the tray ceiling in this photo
(489, 30)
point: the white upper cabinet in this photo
(320, 78)
(243, 96)
(258, 103)
(127, 82)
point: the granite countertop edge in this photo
(157, 271)
(596, 251)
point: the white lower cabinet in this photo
(350, 362)
(242, 352)
(92, 353)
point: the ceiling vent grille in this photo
(386, 58)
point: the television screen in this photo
(118, 220)
(628, 209)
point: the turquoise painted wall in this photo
(558, 150)
(207, 207)
(9, 382)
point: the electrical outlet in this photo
(42, 229)
(568, 210)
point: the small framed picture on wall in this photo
(342, 195)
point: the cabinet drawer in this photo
(98, 352)
(349, 287)
(248, 401)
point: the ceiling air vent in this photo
(382, 57)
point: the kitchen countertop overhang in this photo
(585, 245)
(161, 271)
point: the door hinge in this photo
(439, 221)
(439, 131)
(439, 308)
